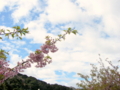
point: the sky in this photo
(97, 23)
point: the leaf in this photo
(65, 30)
(69, 29)
(38, 52)
(14, 27)
(6, 34)
(18, 27)
(74, 32)
(13, 35)
(68, 32)
(20, 38)
(26, 31)
(1, 76)
(48, 42)
(48, 57)
(47, 37)
(2, 56)
(26, 28)
(21, 33)
(8, 30)
(0, 37)
(63, 37)
(59, 35)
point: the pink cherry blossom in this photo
(46, 48)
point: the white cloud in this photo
(37, 32)
(14, 59)
(24, 8)
(2, 5)
(108, 9)
(62, 11)
(76, 52)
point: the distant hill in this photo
(23, 82)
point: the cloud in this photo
(2, 5)
(97, 23)
(62, 11)
(14, 59)
(23, 9)
(108, 9)
(37, 31)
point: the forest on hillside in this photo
(23, 82)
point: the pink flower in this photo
(36, 57)
(53, 48)
(45, 48)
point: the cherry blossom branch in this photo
(37, 57)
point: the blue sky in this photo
(96, 22)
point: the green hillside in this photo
(23, 82)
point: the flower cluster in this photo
(46, 48)
(5, 71)
(37, 57)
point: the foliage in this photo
(23, 82)
(17, 32)
(105, 78)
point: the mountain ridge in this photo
(24, 82)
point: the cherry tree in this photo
(104, 78)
